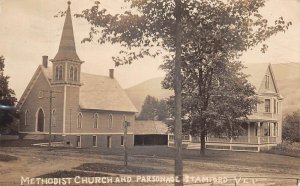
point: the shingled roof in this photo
(100, 93)
(67, 49)
(144, 127)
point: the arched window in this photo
(26, 118)
(75, 74)
(56, 72)
(110, 121)
(60, 72)
(96, 120)
(79, 120)
(53, 119)
(71, 73)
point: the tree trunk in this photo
(202, 141)
(178, 100)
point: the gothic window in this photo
(110, 121)
(26, 117)
(75, 74)
(56, 72)
(59, 72)
(79, 120)
(96, 120)
(71, 73)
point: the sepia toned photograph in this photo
(150, 92)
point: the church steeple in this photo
(67, 49)
(66, 63)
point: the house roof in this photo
(67, 49)
(256, 72)
(144, 127)
(100, 93)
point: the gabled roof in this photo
(30, 85)
(100, 93)
(67, 49)
(144, 127)
(256, 72)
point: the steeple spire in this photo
(67, 49)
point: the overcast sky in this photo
(29, 30)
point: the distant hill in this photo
(287, 76)
(151, 87)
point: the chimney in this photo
(45, 61)
(111, 73)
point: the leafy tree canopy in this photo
(291, 127)
(7, 96)
(153, 109)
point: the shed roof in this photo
(144, 127)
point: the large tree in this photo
(153, 109)
(177, 26)
(7, 98)
(216, 35)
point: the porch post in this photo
(249, 132)
(258, 132)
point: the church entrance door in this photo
(40, 121)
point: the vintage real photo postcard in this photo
(150, 92)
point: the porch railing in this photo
(243, 139)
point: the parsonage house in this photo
(87, 110)
(262, 129)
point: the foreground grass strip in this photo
(117, 169)
(72, 174)
(7, 158)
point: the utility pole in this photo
(50, 118)
(126, 124)
(50, 113)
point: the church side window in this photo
(79, 120)
(96, 120)
(26, 117)
(71, 73)
(110, 121)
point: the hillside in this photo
(151, 87)
(287, 76)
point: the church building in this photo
(86, 110)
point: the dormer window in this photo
(267, 81)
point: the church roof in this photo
(67, 49)
(100, 93)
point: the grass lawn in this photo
(287, 149)
(35, 162)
